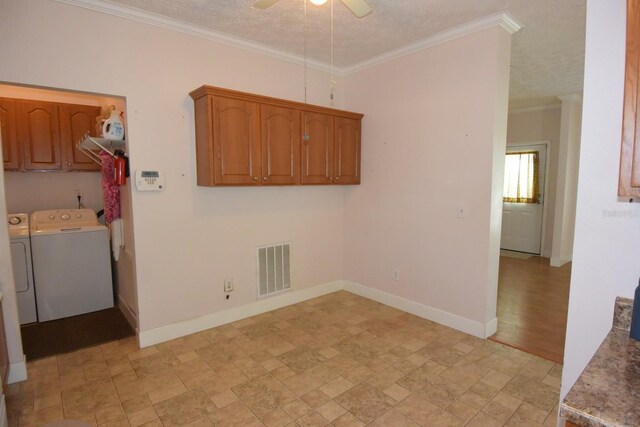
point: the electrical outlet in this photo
(228, 285)
(396, 274)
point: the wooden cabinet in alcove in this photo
(43, 136)
(9, 129)
(39, 135)
(75, 122)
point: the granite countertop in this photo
(607, 392)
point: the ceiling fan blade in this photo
(264, 4)
(360, 8)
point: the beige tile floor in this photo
(339, 360)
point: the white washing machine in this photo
(22, 268)
(71, 263)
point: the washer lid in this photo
(67, 230)
(18, 224)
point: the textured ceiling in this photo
(547, 53)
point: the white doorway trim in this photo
(543, 229)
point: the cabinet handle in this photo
(69, 164)
(59, 165)
(255, 178)
(264, 178)
(336, 178)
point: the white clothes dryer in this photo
(71, 263)
(22, 268)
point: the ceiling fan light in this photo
(318, 2)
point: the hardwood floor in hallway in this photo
(532, 306)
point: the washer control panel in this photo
(63, 218)
(18, 224)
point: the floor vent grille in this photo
(274, 269)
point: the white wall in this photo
(188, 238)
(607, 232)
(534, 126)
(433, 133)
(34, 191)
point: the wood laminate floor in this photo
(73, 333)
(532, 306)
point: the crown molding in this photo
(501, 19)
(572, 97)
(145, 17)
(535, 108)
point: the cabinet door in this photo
(39, 133)
(629, 180)
(280, 145)
(347, 151)
(75, 122)
(4, 353)
(8, 127)
(236, 141)
(317, 148)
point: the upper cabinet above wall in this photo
(246, 139)
(42, 136)
(629, 182)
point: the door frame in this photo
(543, 229)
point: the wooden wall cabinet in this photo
(317, 148)
(347, 151)
(9, 129)
(236, 128)
(75, 122)
(629, 181)
(247, 139)
(280, 136)
(39, 134)
(42, 136)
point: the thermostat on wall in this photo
(149, 180)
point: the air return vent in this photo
(274, 269)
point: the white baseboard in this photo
(454, 321)
(128, 313)
(558, 262)
(191, 326)
(18, 371)
(186, 327)
(491, 328)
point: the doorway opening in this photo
(46, 171)
(538, 215)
